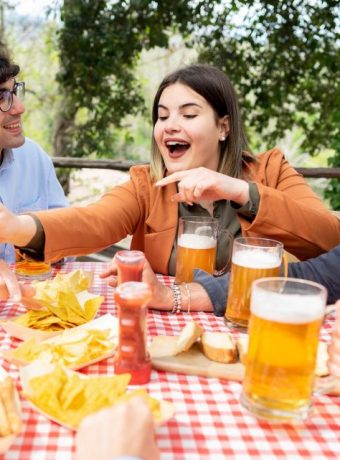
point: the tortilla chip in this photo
(69, 398)
(83, 347)
(66, 302)
(77, 281)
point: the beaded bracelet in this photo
(187, 290)
(176, 308)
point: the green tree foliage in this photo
(283, 57)
(333, 190)
(100, 43)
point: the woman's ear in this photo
(224, 127)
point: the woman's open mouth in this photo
(176, 148)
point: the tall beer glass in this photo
(196, 246)
(286, 316)
(252, 258)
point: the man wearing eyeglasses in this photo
(27, 178)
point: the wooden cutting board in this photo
(191, 362)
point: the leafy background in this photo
(92, 67)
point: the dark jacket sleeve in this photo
(217, 289)
(324, 269)
(35, 248)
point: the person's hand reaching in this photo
(161, 294)
(10, 288)
(126, 429)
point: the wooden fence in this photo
(125, 165)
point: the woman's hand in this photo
(334, 348)
(202, 184)
(10, 288)
(161, 294)
(17, 230)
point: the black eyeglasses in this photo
(6, 96)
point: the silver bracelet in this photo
(187, 290)
(176, 292)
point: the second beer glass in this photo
(252, 258)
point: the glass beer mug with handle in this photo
(197, 242)
(286, 317)
(252, 258)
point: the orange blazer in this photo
(289, 211)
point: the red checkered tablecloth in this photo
(209, 422)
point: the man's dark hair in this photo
(7, 68)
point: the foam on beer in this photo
(193, 241)
(281, 308)
(256, 258)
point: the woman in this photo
(199, 165)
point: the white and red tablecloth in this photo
(209, 422)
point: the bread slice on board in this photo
(242, 347)
(189, 334)
(218, 346)
(321, 367)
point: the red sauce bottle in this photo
(132, 356)
(129, 265)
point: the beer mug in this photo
(197, 246)
(286, 316)
(252, 258)
(30, 270)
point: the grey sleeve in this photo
(324, 269)
(216, 287)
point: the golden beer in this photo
(246, 267)
(194, 251)
(31, 270)
(283, 341)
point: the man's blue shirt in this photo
(28, 183)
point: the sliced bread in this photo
(321, 368)
(242, 347)
(218, 346)
(189, 334)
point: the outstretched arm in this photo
(323, 269)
